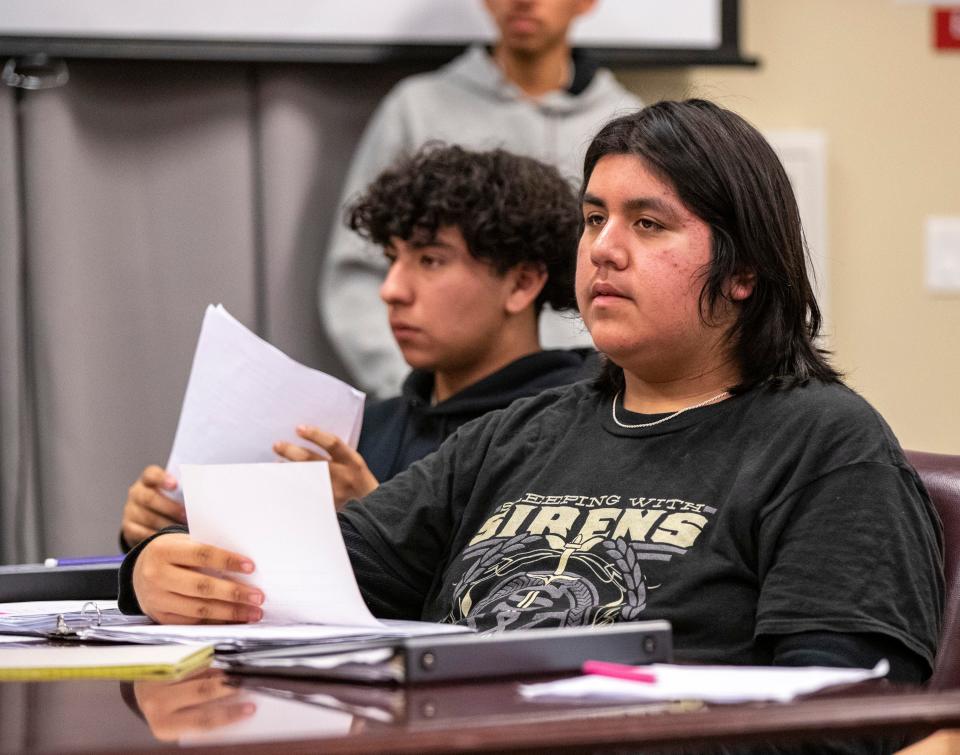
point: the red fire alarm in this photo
(946, 28)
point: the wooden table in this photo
(212, 712)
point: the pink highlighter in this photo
(619, 671)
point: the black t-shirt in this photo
(770, 513)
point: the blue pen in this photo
(87, 561)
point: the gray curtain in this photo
(19, 529)
(310, 120)
(148, 191)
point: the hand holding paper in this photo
(279, 517)
(349, 473)
(302, 563)
(149, 507)
(171, 589)
(245, 394)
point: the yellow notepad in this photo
(101, 662)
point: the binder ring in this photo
(83, 610)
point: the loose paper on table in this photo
(712, 684)
(244, 394)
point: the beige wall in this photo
(864, 72)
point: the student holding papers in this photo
(242, 394)
(477, 243)
(718, 475)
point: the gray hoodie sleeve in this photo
(350, 306)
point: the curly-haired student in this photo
(477, 243)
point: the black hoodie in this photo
(399, 431)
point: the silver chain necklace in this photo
(709, 401)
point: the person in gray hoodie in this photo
(531, 95)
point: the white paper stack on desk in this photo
(231, 637)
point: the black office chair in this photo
(941, 476)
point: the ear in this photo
(524, 284)
(740, 286)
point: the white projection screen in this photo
(681, 31)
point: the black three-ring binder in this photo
(460, 656)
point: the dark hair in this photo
(727, 174)
(510, 209)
